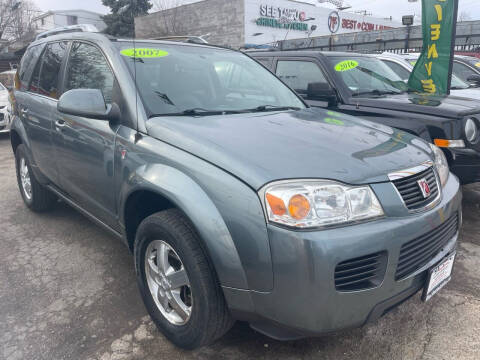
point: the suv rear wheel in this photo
(177, 281)
(36, 197)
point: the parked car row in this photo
(301, 212)
(373, 88)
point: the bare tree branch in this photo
(16, 18)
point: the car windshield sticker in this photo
(334, 121)
(477, 64)
(346, 65)
(144, 53)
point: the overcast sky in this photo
(382, 8)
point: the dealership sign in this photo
(282, 17)
(335, 22)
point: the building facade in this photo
(58, 18)
(239, 23)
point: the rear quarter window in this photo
(27, 64)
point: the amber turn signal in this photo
(443, 143)
(276, 205)
(299, 207)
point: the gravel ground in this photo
(68, 291)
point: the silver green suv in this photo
(238, 201)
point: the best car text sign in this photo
(433, 71)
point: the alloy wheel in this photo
(25, 179)
(168, 282)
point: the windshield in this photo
(193, 80)
(367, 75)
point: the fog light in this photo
(471, 130)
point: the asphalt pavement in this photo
(68, 291)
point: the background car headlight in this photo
(441, 164)
(471, 130)
(312, 203)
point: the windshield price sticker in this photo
(477, 64)
(144, 53)
(346, 65)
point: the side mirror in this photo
(474, 79)
(88, 103)
(321, 91)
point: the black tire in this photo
(41, 198)
(210, 318)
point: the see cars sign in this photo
(433, 71)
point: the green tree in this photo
(120, 22)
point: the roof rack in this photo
(67, 29)
(184, 38)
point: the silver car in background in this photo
(402, 65)
(5, 110)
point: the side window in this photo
(298, 74)
(36, 75)
(51, 63)
(398, 69)
(87, 68)
(267, 62)
(462, 71)
(29, 59)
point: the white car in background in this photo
(402, 65)
(5, 110)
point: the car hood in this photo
(472, 93)
(442, 106)
(312, 143)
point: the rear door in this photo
(38, 105)
(86, 151)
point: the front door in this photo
(298, 74)
(87, 147)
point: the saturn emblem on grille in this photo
(424, 187)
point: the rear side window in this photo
(398, 69)
(298, 74)
(462, 71)
(51, 64)
(29, 59)
(267, 62)
(87, 68)
(35, 77)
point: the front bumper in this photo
(466, 165)
(305, 300)
(5, 120)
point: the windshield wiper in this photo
(197, 112)
(378, 92)
(263, 108)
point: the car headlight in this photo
(471, 130)
(441, 164)
(318, 203)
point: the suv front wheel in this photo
(36, 197)
(177, 282)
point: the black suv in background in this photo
(363, 86)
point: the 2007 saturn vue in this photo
(238, 201)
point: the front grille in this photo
(361, 273)
(411, 192)
(418, 252)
